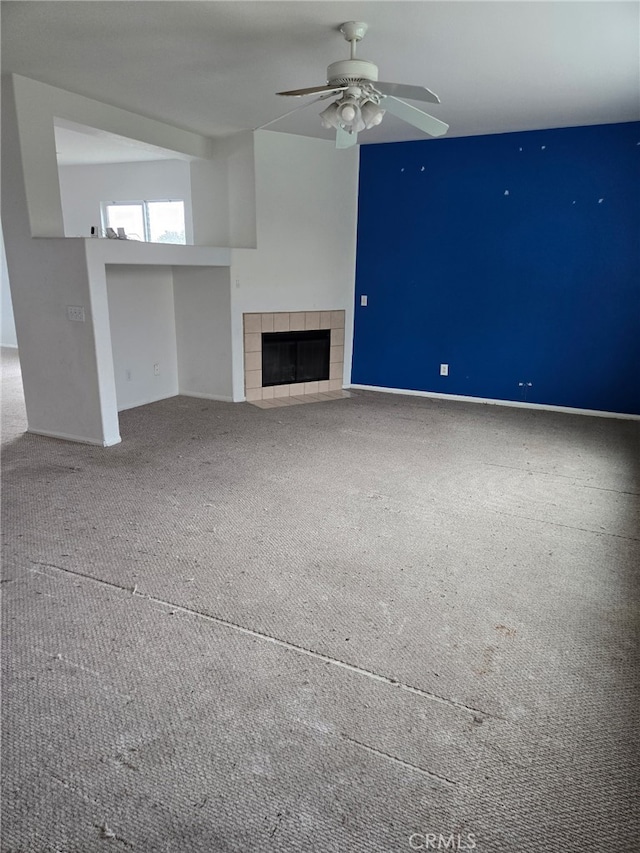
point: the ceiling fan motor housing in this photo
(349, 72)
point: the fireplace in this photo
(293, 354)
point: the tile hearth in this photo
(293, 321)
(278, 402)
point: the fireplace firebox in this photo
(289, 357)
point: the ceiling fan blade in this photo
(412, 115)
(313, 90)
(294, 110)
(414, 93)
(344, 139)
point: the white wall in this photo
(141, 319)
(306, 212)
(8, 333)
(58, 357)
(223, 194)
(178, 318)
(67, 367)
(202, 301)
(210, 202)
(83, 188)
(38, 105)
(242, 192)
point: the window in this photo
(151, 221)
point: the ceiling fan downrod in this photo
(353, 32)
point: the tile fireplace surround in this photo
(294, 321)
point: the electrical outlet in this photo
(444, 370)
(363, 301)
(76, 313)
(156, 369)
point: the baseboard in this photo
(147, 402)
(63, 436)
(220, 398)
(9, 346)
(517, 404)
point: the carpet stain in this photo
(508, 632)
(486, 665)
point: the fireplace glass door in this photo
(289, 357)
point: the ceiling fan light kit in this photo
(361, 96)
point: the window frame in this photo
(144, 205)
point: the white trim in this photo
(65, 437)
(148, 402)
(219, 397)
(487, 401)
(9, 346)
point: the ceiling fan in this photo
(363, 98)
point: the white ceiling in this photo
(213, 67)
(78, 144)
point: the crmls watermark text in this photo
(438, 841)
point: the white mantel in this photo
(103, 251)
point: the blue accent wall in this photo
(511, 258)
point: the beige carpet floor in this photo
(380, 623)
